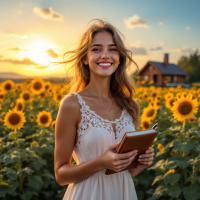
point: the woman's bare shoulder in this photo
(70, 102)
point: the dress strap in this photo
(80, 99)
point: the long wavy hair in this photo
(122, 86)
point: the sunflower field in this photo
(27, 124)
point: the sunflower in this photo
(173, 153)
(14, 119)
(43, 95)
(31, 117)
(2, 96)
(150, 112)
(149, 99)
(47, 85)
(140, 97)
(170, 102)
(18, 86)
(3, 114)
(44, 118)
(192, 120)
(154, 94)
(7, 85)
(145, 95)
(53, 124)
(25, 96)
(35, 143)
(185, 108)
(160, 147)
(57, 97)
(19, 104)
(50, 104)
(37, 86)
(145, 124)
(0, 120)
(0, 106)
(169, 95)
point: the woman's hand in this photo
(145, 160)
(116, 162)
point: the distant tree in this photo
(191, 64)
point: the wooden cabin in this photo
(163, 73)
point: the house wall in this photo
(150, 73)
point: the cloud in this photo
(51, 53)
(16, 49)
(25, 61)
(183, 50)
(14, 34)
(135, 21)
(138, 50)
(156, 48)
(188, 28)
(48, 13)
(160, 23)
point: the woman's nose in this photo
(105, 54)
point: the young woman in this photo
(93, 117)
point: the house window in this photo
(175, 79)
(146, 77)
(150, 67)
(182, 79)
(169, 79)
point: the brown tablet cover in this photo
(140, 140)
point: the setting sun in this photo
(37, 52)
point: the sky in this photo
(34, 33)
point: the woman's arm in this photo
(65, 134)
(135, 171)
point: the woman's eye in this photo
(95, 49)
(113, 49)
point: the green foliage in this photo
(26, 170)
(173, 176)
(191, 65)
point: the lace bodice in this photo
(90, 119)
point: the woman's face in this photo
(103, 56)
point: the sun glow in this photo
(36, 52)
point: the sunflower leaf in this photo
(191, 192)
(174, 190)
(172, 178)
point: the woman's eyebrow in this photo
(101, 45)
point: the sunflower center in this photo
(42, 94)
(26, 96)
(19, 106)
(171, 102)
(14, 119)
(59, 97)
(37, 85)
(1, 96)
(154, 95)
(44, 119)
(185, 108)
(150, 113)
(46, 87)
(146, 125)
(8, 86)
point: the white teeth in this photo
(104, 64)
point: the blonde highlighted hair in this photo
(122, 85)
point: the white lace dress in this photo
(95, 135)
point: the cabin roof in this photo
(170, 69)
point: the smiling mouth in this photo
(104, 65)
